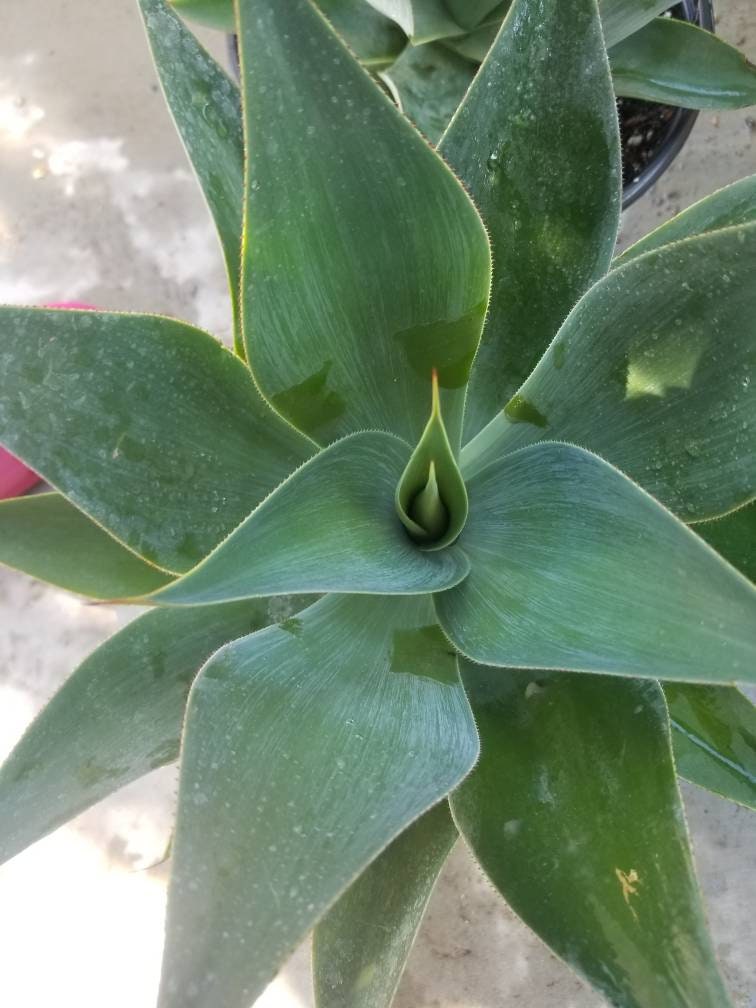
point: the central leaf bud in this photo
(431, 498)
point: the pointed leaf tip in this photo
(431, 498)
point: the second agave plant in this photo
(426, 555)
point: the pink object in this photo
(15, 477)
(71, 304)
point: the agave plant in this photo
(428, 51)
(396, 594)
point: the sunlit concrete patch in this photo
(17, 117)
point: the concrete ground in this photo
(97, 203)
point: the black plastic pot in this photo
(678, 127)
(701, 13)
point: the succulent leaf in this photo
(211, 13)
(734, 537)
(332, 526)
(431, 498)
(357, 715)
(365, 264)
(116, 718)
(553, 223)
(361, 945)
(714, 739)
(678, 63)
(620, 18)
(421, 20)
(430, 81)
(207, 112)
(470, 13)
(574, 567)
(734, 204)
(48, 538)
(587, 842)
(148, 425)
(374, 39)
(652, 370)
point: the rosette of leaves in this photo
(397, 593)
(428, 51)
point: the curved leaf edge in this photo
(196, 329)
(395, 104)
(406, 826)
(467, 463)
(630, 254)
(686, 529)
(153, 599)
(93, 599)
(683, 822)
(234, 294)
(431, 890)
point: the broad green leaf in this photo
(207, 112)
(474, 46)
(430, 82)
(422, 20)
(575, 567)
(332, 526)
(680, 64)
(365, 264)
(146, 424)
(573, 812)
(431, 498)
(361, 946)
(714, 739)
(734, 537)
(307, 748)
(735, 204)
(373, 38)
(652, 370)
(116, 718)
(399, 11)
(470, 13)
(48, 538)
(620, 18)
(212, 13)
(553, 220)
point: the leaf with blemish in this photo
(339, 186)
(587, 842)
(654, 370)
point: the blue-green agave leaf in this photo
(553, 221)
(361, 946)
(587, 842)
(340, 186)
(207, 111)
(307, 749)
(678, 63)
(574, 567)
(116, 718)
(714, 739)
(148, 425)
(47, 537)
(331, 527)
(734, 204)
(652, 370)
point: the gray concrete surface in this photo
(97, 203)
